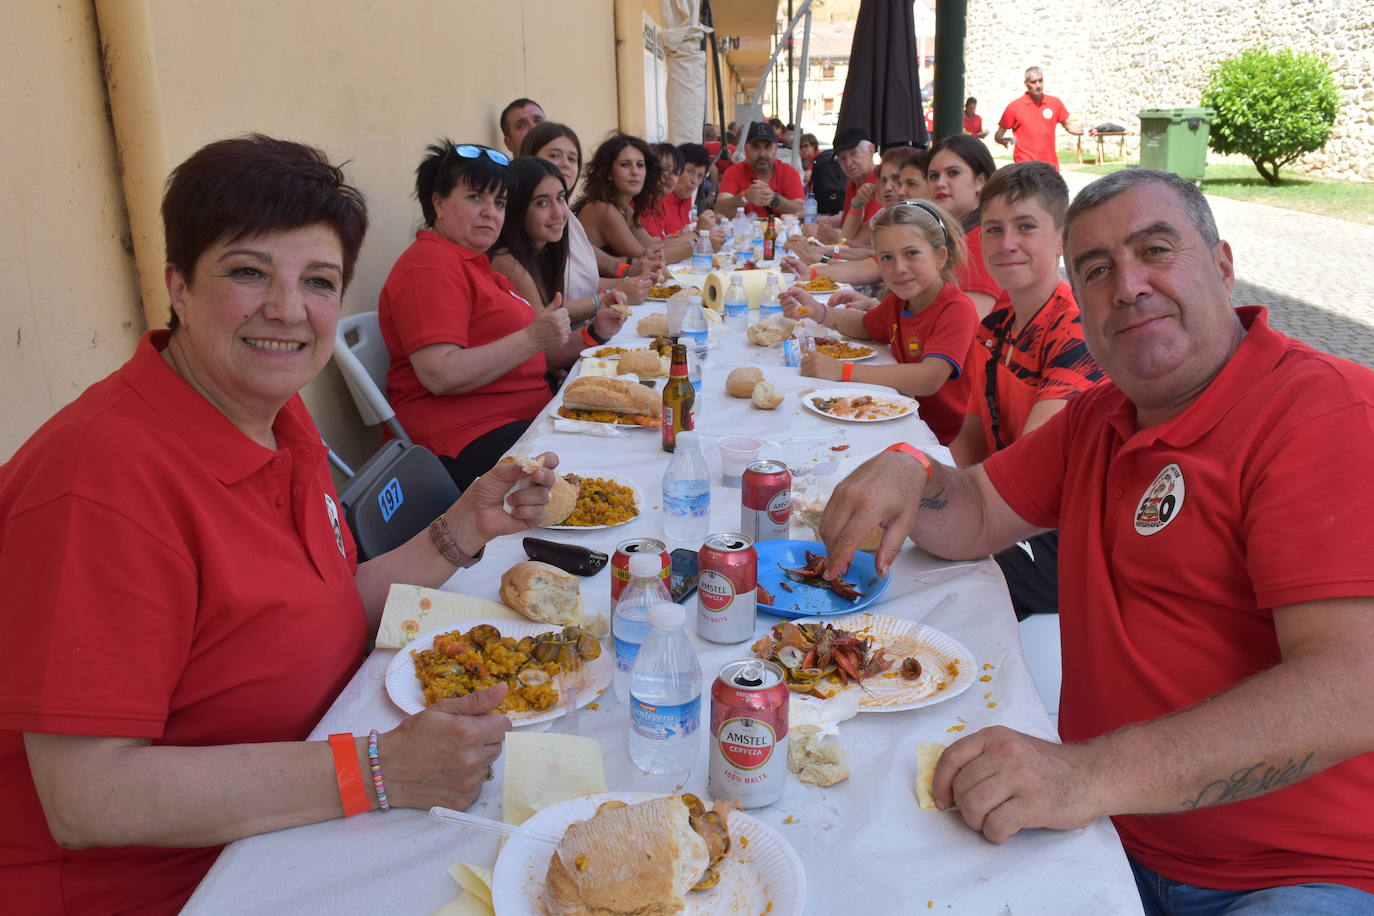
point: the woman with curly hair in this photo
(622, 181)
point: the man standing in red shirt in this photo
(1032, 118)
(1215, 505)
(760, 184)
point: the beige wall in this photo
(367, 82)
(69, 310)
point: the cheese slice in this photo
(927, 756)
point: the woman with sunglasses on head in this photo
(622, 182)
(469, 356)
(532, 250)
(588, 269)
(180, 602)
(926, 319)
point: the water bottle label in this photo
(736, 309)
(769, 308)
(664, 723)
(701, 262)
(695, 506)
(625, 652)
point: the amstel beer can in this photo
(749, 733)
(727, 579)
(620, 563)
(766, 500)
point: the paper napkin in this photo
(411, 610)
(545, 769)
(476, 899)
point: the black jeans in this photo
(1032, 575)
(483, 452)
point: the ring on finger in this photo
(491, 774)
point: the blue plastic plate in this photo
(808, 600)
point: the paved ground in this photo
(1315, 273)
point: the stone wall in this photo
(1108, 59)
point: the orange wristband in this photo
(847, 373)
(589, 337)
(914, 452)
(620, 271)
(349, 774)
(814, 272)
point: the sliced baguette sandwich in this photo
(613, 395)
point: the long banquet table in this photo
(865, 845)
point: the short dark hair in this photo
(518, 103)
(667, 149)
(917, 158)
(1195, 205)
(970, 101)
(969, 148)
(709, 132)
(545, 265)
(544, 133)
(811, 138)
(1020, 180)
(695, 154)
(443, 169)
(777, 123)
(600, 186)
(897, 154)
(245, 186)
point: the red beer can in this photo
(749, 733)
(727, 578)
(620, 563)
(766, 500)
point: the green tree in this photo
(1272, 106)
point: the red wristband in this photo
(620, 271)
(349, 774)
(847, 373)
(587, 336)
(814, 272)
(914, 452)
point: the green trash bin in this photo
(1175, 140)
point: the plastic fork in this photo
(490, 826)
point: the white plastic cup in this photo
(736, 454)
(676, 307)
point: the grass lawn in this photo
(1350, 200)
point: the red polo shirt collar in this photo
(1258, 353)
(229, 454)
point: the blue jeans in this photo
(1163, 896)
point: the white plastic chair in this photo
(361, 356)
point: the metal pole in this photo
(949, 68)
(801, 86)
(709, 20)
(791, 110)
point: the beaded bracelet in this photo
(596, 302)
(376, 763)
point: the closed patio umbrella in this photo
(881, 94)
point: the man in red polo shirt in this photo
(1215, 505)
(854, 153)
(1033, 118)
(760, 184)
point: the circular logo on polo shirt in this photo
(1162, 502)
(333, 512)
(1047, 114)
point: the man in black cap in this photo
(854, 153)
(760, 184)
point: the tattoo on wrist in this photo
(1252, 780)
(935, 501)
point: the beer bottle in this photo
(770, 240)
(678, 397)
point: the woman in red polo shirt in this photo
(469, 355)
(179, 601)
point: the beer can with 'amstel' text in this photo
(620, 563)
(727, 582)
(749, 733)
(766, 500)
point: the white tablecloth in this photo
(866, 846)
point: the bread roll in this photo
(765, 397)
(640, 859)
(740, 382)
(562, 500)
(655, 325)
(927, 756)
(770, 332)
(646, 363)
(815, 761)
(544, 593)
(614, 395)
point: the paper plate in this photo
(764, 875)
(639, 503)
(872, 352)
(809, 600)
(947, 668)
(887, 396)
(404, 687)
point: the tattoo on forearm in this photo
(1247, 782)
(935, 501)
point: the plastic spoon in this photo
(491, 826)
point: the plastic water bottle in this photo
(701, 253)
(694, 377)
(736, 304)
(687, 493)
(665, 696)
(756, 241)
(694, 326)
(770, 304)
(810, 209)
(630, 620)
